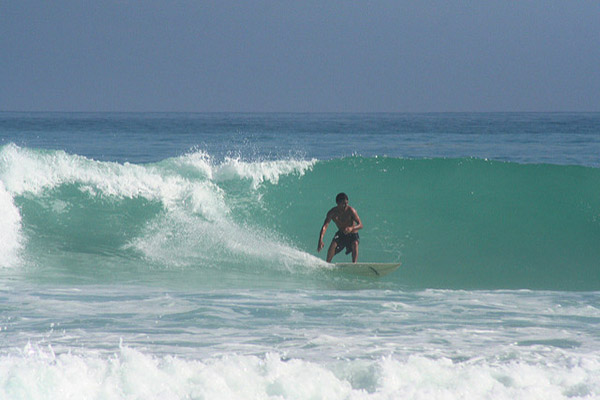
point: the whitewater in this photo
(173, 256)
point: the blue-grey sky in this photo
(304, 56)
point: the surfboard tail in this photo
(368, 269)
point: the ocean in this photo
(173, 256)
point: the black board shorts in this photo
(345, 240)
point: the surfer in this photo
(348, 223)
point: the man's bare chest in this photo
(343, 218)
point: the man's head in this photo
(341, 199)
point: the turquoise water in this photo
(174, 256)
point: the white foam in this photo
(38, 373)
(198, 161)
(10, 229)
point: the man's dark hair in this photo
(341, 197)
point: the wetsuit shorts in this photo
(345, 240)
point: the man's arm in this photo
(323, 230)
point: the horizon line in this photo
(296, 112)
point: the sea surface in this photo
(173, 256)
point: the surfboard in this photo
(368, 269)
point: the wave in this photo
(454, 223)
(40, 373)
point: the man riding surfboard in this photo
(348, 222)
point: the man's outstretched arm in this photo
(323, 230)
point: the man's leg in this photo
(331, 252)
(354, 251)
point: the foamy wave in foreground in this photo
(131, 374)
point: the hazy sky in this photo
(316, 56)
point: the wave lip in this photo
(26, 171)
(234, 168)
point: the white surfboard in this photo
(368, 269)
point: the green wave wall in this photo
(457, 223)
